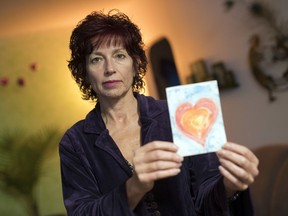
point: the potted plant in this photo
(21, 160)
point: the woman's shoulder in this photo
(151, 106)
(85, 125)
(72, 132)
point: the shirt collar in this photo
(149, 109)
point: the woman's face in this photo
(110, 71)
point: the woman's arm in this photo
(212, 188)
(81, 192)
(153, 161)
(239, 167)
(207, 187)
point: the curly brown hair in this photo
(97, 29)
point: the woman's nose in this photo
(109, 67)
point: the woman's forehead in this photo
(107, 41)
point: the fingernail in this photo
(221, 160)
(228, 144)
(220, 152)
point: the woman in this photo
(120, 160)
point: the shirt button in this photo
(156, 213)
(154, 205)
(149, 197)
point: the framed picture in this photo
(219, 71)
(224, 77)
(198, 71)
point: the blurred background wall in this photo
(34, 38)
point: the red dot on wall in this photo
(4, 81)
(34, 66)
(21, 81)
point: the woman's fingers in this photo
(146, 177)
(239, 166)
(243, 156)
(156, 160)
(157, 151)
(159, 145)
(235, 174)
(231, 181)
(157, 165)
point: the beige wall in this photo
(196, 29)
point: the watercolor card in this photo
(196, 117)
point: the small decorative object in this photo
(268, 60)
(228, 4)
(199, 73)
(21, 81)
(34, 66)
(225, 78)
(4, 81)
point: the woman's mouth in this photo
(111, 83)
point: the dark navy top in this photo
(94, 172)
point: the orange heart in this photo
(196, 121)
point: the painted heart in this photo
(196, 121)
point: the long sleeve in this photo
(94, 173)
(209, 192)
(81, 191)
(207, 186)
(242, 205)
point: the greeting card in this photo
(196, 117)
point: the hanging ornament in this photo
(34, 66)
(21, 81)
(4, 81)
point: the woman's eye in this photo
(120, 56)
(95, 60)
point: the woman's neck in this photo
(119, 111)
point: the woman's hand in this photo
(156, 160)
(239, 166)
(153, 161)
